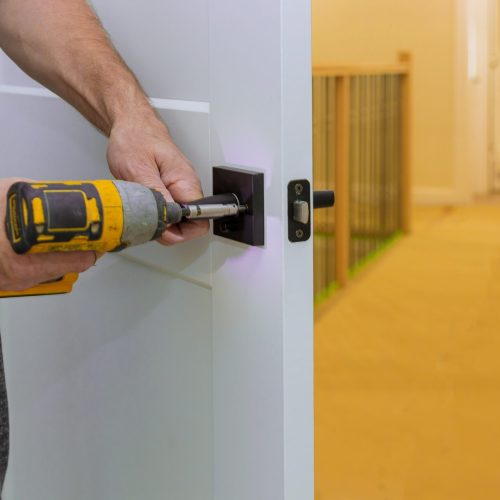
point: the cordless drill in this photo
(102, 215)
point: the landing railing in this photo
(361, 146)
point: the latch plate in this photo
(299, 210)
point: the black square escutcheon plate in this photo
(248, 186)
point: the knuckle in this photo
(165, 243)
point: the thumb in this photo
(153, 181)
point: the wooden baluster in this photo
(330, 179)
(405, 58)
(342, 229)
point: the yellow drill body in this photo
(102, 216)
(103, 213)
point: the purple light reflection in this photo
(252, 154)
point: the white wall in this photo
(364, 31)
(450, 107)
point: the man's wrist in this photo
(127, 106)
(138, 116)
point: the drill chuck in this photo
(212, 211)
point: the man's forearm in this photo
(62, 44)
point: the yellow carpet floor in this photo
(407, 377)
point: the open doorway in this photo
(406, 349)
(494, 96)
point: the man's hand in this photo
(19, 272)
(141, 150)
(62, 44)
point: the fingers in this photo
(53, 264)
(151, 179)
(187, 189)
(183, 232)
(182, 187)
(145, 153)
(24, 271)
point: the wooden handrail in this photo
(367, 69)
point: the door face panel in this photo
(156, 38)
(260, 111)
(172, 35)
(43, 137)
(248, 363)
(110, 388)
(112, 397)
(182, 373)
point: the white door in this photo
(181, 373)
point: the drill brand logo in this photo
(13, 222)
